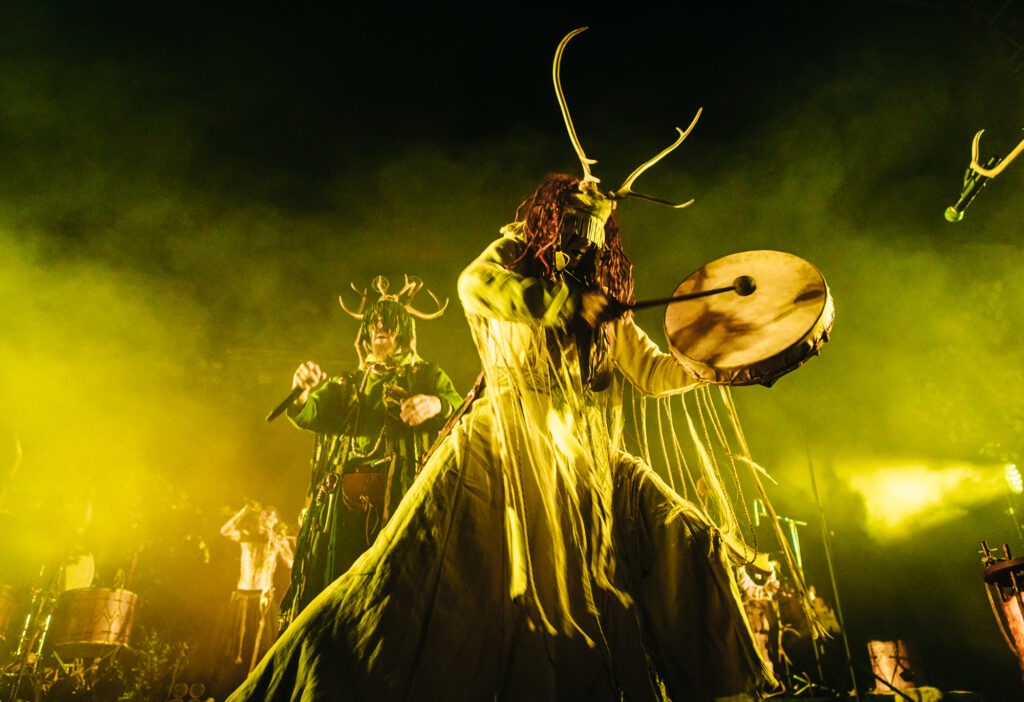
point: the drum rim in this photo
(767, 370)
(70, 642)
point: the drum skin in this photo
(733, 339)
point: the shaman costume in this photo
(534, 558)
(365, 458)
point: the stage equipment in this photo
(1014, 488)
(195, 692)
(892, 663)
(8, 605)
(283, 405)
(1004, 584)
(973, 184)
(91, 622)
(21, 673)
(977, 176)
(753, 338)
(1013, 479)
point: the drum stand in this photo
(796, 682)
(24, 667)
(81, 673)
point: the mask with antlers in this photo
(568, 224)
(593, 206)
(393, 314)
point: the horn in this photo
(358, 314)
(992, 172)
(413, 284)
(624, 190)
(556, 71)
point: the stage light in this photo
(1013, 479)
(902, 499)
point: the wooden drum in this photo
(91, 622)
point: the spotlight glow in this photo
(908, 498)
(1013, 479)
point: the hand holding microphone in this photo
(306, 377)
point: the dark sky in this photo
(187, 188)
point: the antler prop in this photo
(358, 314)
(404, 297)
(625, 190)
(556, 75)
(998, 168)
(413, 284)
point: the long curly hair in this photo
(541, 215)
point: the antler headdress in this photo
(403, 297)
(589, 182)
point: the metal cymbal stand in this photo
(800, 682)
(825, 540)
(29, 652)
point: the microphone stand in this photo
(825, 539)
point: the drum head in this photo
(733, 339)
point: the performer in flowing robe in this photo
(533, 559)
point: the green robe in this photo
(358, 431)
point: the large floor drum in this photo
(92, 622)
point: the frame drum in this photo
(90, 622)
(746, 339)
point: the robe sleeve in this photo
(643, 364)
(326, 410)
(438, 384)
(491, 287)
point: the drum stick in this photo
(742, 286)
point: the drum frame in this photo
(92, 622)
(692, 318)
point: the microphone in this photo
(292, 397)
(973, 183)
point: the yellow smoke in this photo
(907, 497)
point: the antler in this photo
(358, 314)
(625, 189)
(556, 70)
(413, 284)
(403, 297)
(998, 168)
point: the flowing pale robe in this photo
(532, 559)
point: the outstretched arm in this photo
(646, 366)
(230, 528)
